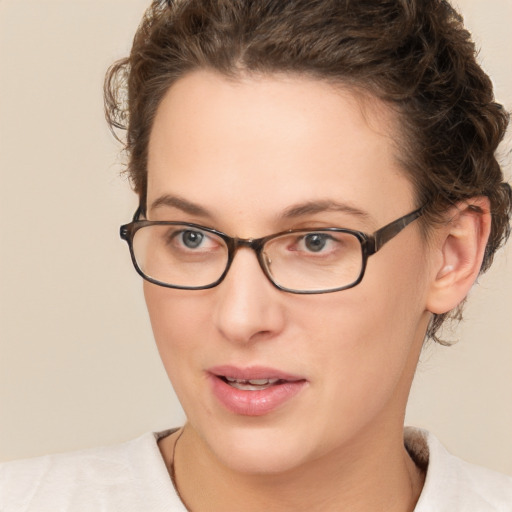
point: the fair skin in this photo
(242, 154)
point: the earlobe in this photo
(462, 245)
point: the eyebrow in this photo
(325, 205)
(181, 204)
(292, 212)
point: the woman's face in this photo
(256, 156)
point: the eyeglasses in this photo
(192, 257)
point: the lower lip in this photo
(254, 403)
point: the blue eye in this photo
(315, 242)
(192, 239)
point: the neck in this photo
(352, 479)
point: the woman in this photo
(318, 193)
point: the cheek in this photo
(367, 341)
(176, 324)
(382, 313)
(181, 332)
(360, 340)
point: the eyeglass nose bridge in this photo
(257, 245)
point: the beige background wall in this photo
(77, 363)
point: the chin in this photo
(259, 449)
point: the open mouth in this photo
(251, 384)
(255, 390)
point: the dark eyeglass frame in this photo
(370, 244)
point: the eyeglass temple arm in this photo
(139, 212)
(125, 229)
(389, 231)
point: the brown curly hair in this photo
(415, 55)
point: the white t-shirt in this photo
(132, 477)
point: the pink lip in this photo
(254, 403)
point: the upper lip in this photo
(252, 373)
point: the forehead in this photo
(264, 143)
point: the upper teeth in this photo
(252, 382)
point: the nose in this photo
(248, 307)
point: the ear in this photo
(461, 245)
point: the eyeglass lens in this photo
(186, 256)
